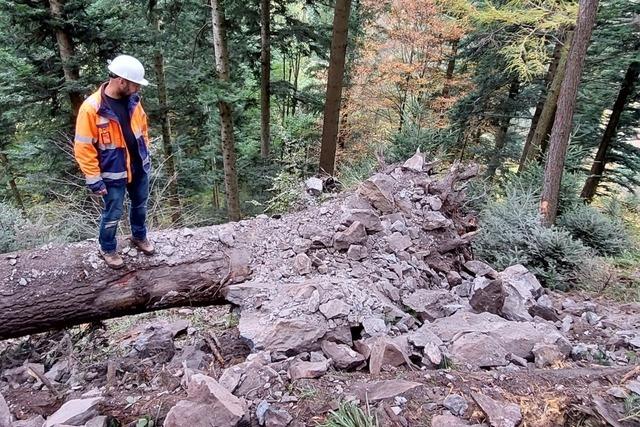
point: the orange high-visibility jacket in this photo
(99, 145)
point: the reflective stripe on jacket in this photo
(99, 145)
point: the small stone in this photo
(335, 308)
(633, 386)
(547, 355)
(313, 186)
(277, 418)
(414, 163)
(22, 281)
(500, 414)
(591, 317)
(302, 264)
(374, 326)
(618, 392)
(357, 252)
(261, 410)
(310, 370)
(456, 404)
(133, 252)
(187, 232)
(13, 261)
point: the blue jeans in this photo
(138, 191)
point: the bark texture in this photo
(537, 140)
(600, 161)
(334, 87)
(54, 287)
(67, 51)
(265, 78)
(226, 119)
(563, 122)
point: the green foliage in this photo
(350, 415)
(511, 233)
(606, 235)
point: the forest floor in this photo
(572, 393)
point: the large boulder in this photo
(75, 412)
(378, 190)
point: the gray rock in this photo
(37, 421)
(515, 337)
(378, 190)
(313, 186)
(547, 355)
(277, 418)
(302, 264)
(433, 354)
(5, 415)
(398, 242)
(355, 234)
(434, 202)
(633, 386)
(374, 326)
(335, 308)
(385, 389)
(454, 278)
(357, 252)
(75, 412)
(261, 410)
(368, 218)
(100, 421)
(58, 370)
(448, 420)
(431, 304)
(424, 336)
(301, 369)
(343, 356)
(282, 335)
(479, 268)
(456, 404)
(415, 162)
(618, 392)
(500, 414)
(433, 220)
(479, 350)
(489, 298)
(522, 288)
(206, 396)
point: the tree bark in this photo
(551, 72)
(226, 118)
(563, 122)
(501, 135)
(4, 160)
(451, 66)
(167, 145)
(536, 140)
(66, 50)
(265, 79)
(334, 86)
(600, 161)
(69, 285)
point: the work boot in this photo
(145, 246)
(112, 259)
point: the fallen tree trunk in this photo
(403, 216)
(54, 287)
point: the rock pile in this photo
(373, 281)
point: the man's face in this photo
(126, 88)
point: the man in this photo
(111, 147)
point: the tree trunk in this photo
(501, 135)
(451, 66)
(4, 160)
(48, 289)
(167, 146)
(296, 76)
(536, 140)
(563, 122)
(600, 161)
(66, 50)
(334, 86)
(226, 119)
(265, 79)
(551, 72)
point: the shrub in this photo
(606, 235)
(511, 233)
(350, 415)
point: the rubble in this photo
(360, 284)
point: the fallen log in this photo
(59, 286)
(399, 229)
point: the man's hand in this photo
(102, 192)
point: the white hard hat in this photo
(128, 68)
